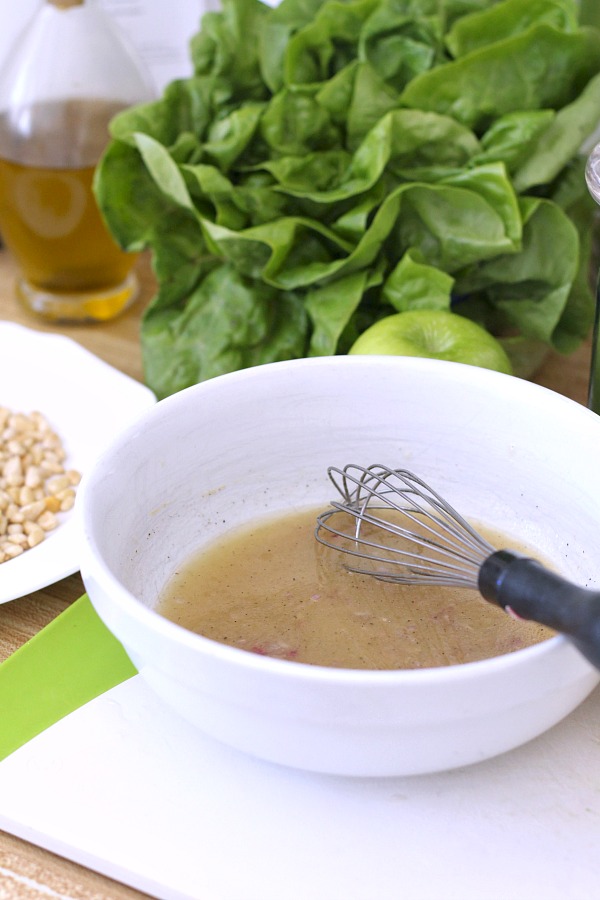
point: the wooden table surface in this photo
(26, 871)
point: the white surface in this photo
(87, 402)
(161, 40)
(259, 441)
(127, 788)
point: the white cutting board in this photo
(127, 788)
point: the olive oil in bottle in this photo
(68, 76)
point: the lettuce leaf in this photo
(330, 162)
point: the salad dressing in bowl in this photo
(271, 588)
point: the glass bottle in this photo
(67, 76)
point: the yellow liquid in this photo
(272, 589)
(49, 219)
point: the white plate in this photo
(87, 402)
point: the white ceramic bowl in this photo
(502, 450)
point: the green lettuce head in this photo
(331, 162)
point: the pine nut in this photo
(33, 476)
(35, 533)
(26, 495)
(47, 520)
(52, 503)
(67, 500)
(32, 511)
(57, 484)
(11, 550)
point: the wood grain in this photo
(30, 873)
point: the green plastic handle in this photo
(71, 661)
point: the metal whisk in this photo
(399, 529)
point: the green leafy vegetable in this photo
(331, 162)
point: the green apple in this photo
(435, 333)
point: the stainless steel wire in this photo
(401, 528)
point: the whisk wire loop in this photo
(386, 506)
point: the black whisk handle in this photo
(526, 588)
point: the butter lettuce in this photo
(330, 162)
